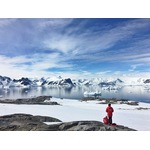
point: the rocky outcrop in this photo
(24, 81)
(111, 100)
(147, 81)
(87, 126)
(26, 122)
(41, 100)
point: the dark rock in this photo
(118, 80)
(36, 100)
(111, 101)
(24, 81)
(88, 98)
(66, 82)
(133, 103)
(25, 122)
(46, 119)
(147, 81)
(87, 126)
(59, 82)
(3, 79)
(142, 108)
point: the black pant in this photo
(110, 120)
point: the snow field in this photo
(75, 110)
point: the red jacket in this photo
(109, 111)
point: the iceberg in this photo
(96, 93)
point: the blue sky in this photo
(74, 48)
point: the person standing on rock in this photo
(109, 111)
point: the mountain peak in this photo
(59, 81)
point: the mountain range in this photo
(6, 82)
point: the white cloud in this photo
(144, 60)
(61, 43)
(103, 72)
(14, 60)
(36, 65)
(76, 40)
(87, 42)
(5, 22)
(73, 43)
(54, 23)
(133, 67)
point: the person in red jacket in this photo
(109, 111)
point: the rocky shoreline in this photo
(46, 100)
(111, 100)
(27, 122)
(41, 100)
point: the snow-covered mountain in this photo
(26, 82)
(6, 82)
(54, 81)
(147, 81)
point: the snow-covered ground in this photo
(73, 110)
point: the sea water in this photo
(136, 93)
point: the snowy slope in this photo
(73, 110)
